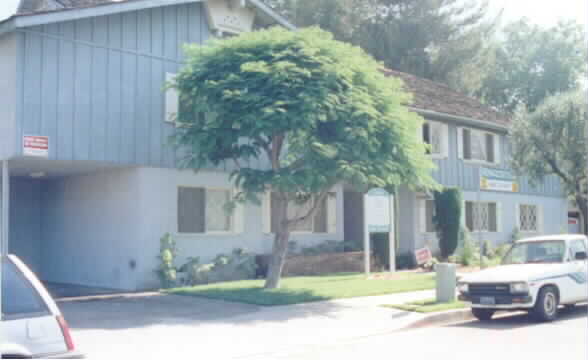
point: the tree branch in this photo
(313, 210)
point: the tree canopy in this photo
(551, 141)
(443, 40)
(533, 63)
(296, 113)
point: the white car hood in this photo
(514, 273)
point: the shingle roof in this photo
(28, 7)
(431, 96)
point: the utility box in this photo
(446, 282)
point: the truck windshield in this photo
(549, 251)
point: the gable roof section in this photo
(37, 12)
(432, 97)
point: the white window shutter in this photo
(497, 142)
(239, 218)
(171, 100)
(332, 213)
(266, 219)
(422, 215)
(445, 140)
(460, 143)
(498, 217)
(540, 219)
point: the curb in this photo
(447, 317)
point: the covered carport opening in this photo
(39, 229)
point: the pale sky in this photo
(543, 12)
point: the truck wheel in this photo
(483, 314)
(545, 308)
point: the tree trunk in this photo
(280, 247)
(581, 202)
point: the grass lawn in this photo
(296, 290)
(428, 306)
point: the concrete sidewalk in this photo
(228, 330)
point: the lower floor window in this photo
(323, 221)
(481, 216)
(202, 210)
(528, 218)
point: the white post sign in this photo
(378, 218)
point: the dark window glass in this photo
(19, 297)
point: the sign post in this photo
(378, 218)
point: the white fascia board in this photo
(107, 9)
(460, 120)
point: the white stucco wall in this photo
(94, 226)
(90, 229)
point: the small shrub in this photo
(468, 255)
(326, 247)
(167, 255)
(405, 261)
(430, 265)
(516, 235)
(501, 250)
(488, 251)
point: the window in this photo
(575, 247)
(171, 100)
(528, 218)
(324, 220)
(435, 134)
(481, 216)
(427, 214)
(478, 146)
(19, 297)
(202, 210)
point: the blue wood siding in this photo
(452, 171)
(94, 86)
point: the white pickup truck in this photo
(537, 275)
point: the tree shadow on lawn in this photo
(168, 309)
(522, 319)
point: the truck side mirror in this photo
(581, 255)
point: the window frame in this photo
(232, 220)
(423, 214)
(495, 149)
(496, 216)
(444, 135)
(267, 229)
(538, 222)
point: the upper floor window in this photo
(478, 145)
(482, 216)
(436, 135)
(528, 218)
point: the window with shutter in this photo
(324, 220)
(202, 210)
(479, 146)
(434, 134)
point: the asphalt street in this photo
(510, 337)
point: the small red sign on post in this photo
(35, 146)
(573, 221)
(423, 256)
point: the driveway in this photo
(160, 326)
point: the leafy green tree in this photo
(448, 41)
(551, 141)
(533, 63)
(447, 219)
(318, 112)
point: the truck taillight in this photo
(66, 333)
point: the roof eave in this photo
(460, 119)
(21, 21)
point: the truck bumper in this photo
(506, 302)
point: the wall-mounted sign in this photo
(35, 146)
(377, 207)
(498, 180)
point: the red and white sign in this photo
(573, 221)
(423, 256)
(35, 146)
